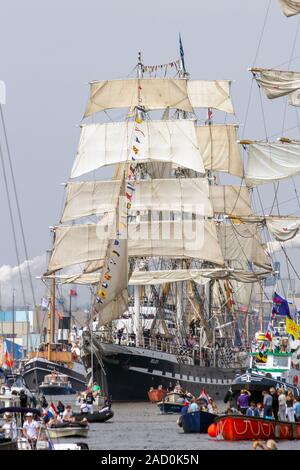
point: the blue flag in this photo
(181, 53)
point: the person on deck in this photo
(67, 415)
(297, 409)
(193, 407)
(89, 401)
(290, 406)
(267, 402)
(275, 402)
(23, 399)
(229, 398)
(252, 410)
(30, 430)
(281, 404)
(60, 407)
(243, 401)
(9, 427)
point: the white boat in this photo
(56, 384)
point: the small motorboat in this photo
(56, 384)
(233, 428)
(61, 430)
(197, 421)
(172, 403)
(96, 417)
(156, 394)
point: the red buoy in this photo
(212, 430)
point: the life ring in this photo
(295, 380)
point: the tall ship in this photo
(175, 257)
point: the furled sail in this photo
(200, 276)
(272, 161)
(278, 83)
(111, 299)
(290, 7)
(241, 245)
(211, 94)
(172, 239)
(230, 200)
(162, 141)
(183, 194)
(219, 148)
(155, 93)
(283, 228)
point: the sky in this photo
(50, 50)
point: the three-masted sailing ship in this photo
(173, 255)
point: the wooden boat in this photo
(157, 394)
(68, 430)
(233, 428)
(172, 403)
(97, 417)
(198, 421)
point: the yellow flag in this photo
(292, 328)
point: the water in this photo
(140, 426)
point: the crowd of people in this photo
(276, 404)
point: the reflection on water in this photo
(141, 426)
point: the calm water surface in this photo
(140, 426)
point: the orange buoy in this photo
(212, 430)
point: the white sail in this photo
(241, 244)
(77, 244)
(230, 200)
(163, 141)
(172, 239)
(278, 83)
(219, 148)
(211, 94)
(175, 239)
(90, 197)
(270, 162)
(290, 7)
(283, 228)
(183, 194)
(155, 93)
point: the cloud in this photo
(10, 279)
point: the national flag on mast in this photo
(72, 293)
(181, 53)
(204, 396)
(52, 411)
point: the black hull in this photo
(96, 417)
(256, 383)
(130, 372)
(35, 371)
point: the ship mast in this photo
(137, 290)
